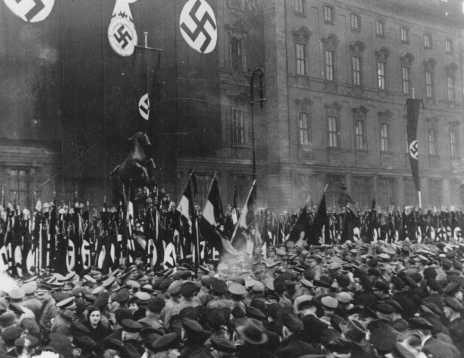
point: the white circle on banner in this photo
(144, 107)
(31, 10)
(414, 149)
(122, 36)
(198, 26)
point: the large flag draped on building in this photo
(413, 110)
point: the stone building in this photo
(337, 76)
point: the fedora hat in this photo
(251, 333)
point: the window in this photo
(237, 54)
(384, 137)
(427, 41)
(360, 134)
(304, 128)
(454, 149)
(404, 34)
(405, 79)
(448, 46)
(300, 59)
(328, 12)
(381, 75)
(239, 133)
(380, 28)
(451, 88)
(329, 65)
(333, 131)
(299, 6)
(429, 84)
(18, 187)
(432, 141)
(356, 70)
(355, 22)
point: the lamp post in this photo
(258, 74)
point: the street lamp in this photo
(258, 73)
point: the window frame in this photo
(432, 142)
(301, 61)
(381, 75)
(449, 46)
(356, 71)
(428, 43)
(304, 129)
(360, 134)
(454, 142)
(380, 24)
(429, 84)
(384, 138)
(451, 90)
(333, 129)
(328, 13)
(404, 34)
(355, 22)
(405, 80)
(299, 7)
(329, 68)
(239, 133)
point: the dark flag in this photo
(213, 216)
(301, 225)
(186, 207)
(413, 110)
(320, 225)
(189, 240)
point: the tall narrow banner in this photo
(413, 110)
(122, 34)
(198, 26)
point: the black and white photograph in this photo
(231, 178)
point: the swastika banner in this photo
(198, 26)
(31, 10)
(413, 109)
(122, 34)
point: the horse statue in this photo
(136, 171)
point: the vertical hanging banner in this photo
(198, 26)
(144, 107)
(31, 10)
(413, 110)
(122, 34)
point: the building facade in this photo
(341, 72)
(337, 76)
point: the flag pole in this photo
(241, 213)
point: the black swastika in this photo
(38, 7)
(200, 29)
(122, 36)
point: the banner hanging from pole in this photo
(413, 111)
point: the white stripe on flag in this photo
(208, 213)
(183, 207)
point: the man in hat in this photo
(194, 340)
(153, 314)
(48, 309)
(252, 339)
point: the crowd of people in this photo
(355, 299)
(315, 284)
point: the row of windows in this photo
(240, 133)
(360, 134)
(356, 73)
(328, 13)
